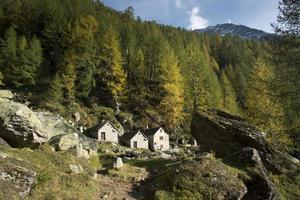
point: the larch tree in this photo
(286, 58)
(113, 75)
(263, 109)
(229, 103)
(171, 105)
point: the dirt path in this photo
(111, 188)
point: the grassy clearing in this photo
(128, 173)
(54, 179)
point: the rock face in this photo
(233, 138)
(15, 179)
(260, 186)
(225, 134)
(19, 125)
(3, 143)
(22, 127)
(6, 94)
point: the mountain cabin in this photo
(105, 131)
(134, 139)
(158, 139)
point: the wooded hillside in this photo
(80, 56)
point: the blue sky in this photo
(194, 14)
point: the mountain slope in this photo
(242, 31)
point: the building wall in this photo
(142, 142)
(157, 142)
(111, 134)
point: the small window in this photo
(160, 130)
(103, 137)
(145, 139)
(113, 130)
(161, 138)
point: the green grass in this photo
(128, 173)
(288, 185)
(151, 164)
(54, 177)
(208, 178)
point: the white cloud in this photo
(196, 20)
(178, 3)
(229, 21)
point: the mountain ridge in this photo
(242, 31)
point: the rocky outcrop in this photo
(225, 134)
(22, 127)
(15, 179)
(19, 125)
(6, 94)
(260, 186)
(242, 146)
(3, 143)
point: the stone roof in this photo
(100, 125)
(151, 131)
(128, 135)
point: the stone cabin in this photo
(158, 139)
(105, 131)
(134, 139)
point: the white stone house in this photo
(134, 139)
(158, 139)
(105, 131)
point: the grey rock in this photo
(16, 181)
(3, 143)
(6, 94)
(65, 142)
(20, 126)
(118, 163)
(76, 168)
(77, 117)
(260, 184)
(84, 146)
(227, 135)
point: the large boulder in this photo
(84, 146)
(19, 125)
(225, 134)
(22, 127)
(242, 146)
(54, 124)
(260, 186)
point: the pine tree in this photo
(21, 58)
(8, 54)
